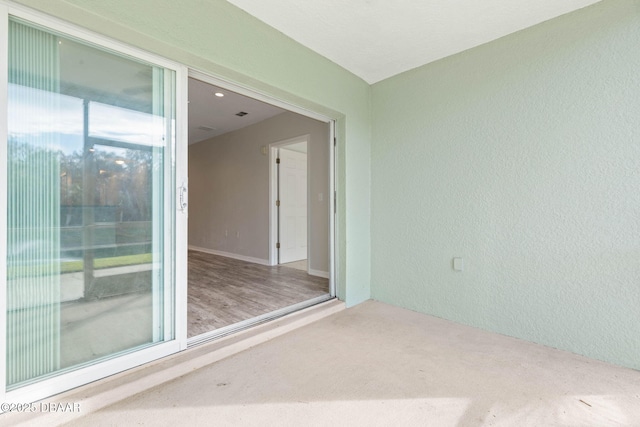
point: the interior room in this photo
(246, 259)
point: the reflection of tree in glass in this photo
(70, 180)
(29, 167)
(32, 214)
(136, 186)
(52, 182)
(122, 184)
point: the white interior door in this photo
(293, 206)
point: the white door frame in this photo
(273, 195)
(252, 93)
(243, 90)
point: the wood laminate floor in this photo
(299, 265)
(223, 291)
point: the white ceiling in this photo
(219, 114)
(377, 39)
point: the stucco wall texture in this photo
(521, 156)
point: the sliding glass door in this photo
(90, 163)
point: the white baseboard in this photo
(231, 255)
(319, 273)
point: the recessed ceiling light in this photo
(219, 94)
(120, 162)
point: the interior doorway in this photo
(292, 204)
(235, 278)
(290, 196)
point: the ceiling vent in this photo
(241, 113)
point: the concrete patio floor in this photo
(375, 364)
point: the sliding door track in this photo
(254, 321)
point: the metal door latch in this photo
(183, 198)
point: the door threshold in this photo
(249, 323)
(107, 391)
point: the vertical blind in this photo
(33, 236)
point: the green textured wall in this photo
(215, 37)
(523, 157)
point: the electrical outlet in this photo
(458, 264)
(237, 234)
(226, 233)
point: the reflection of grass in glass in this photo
(77, 266)
(116, 261)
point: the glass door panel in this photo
(89, 188)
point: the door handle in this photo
(183, 198)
